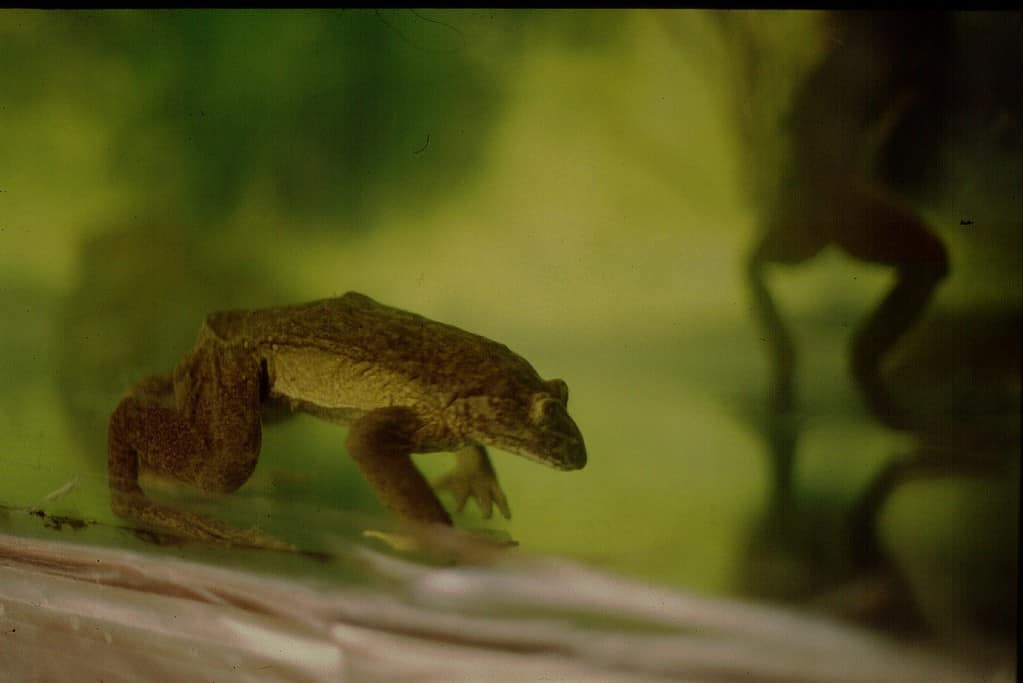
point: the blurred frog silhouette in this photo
(863, 126)
(881, 80)
(865, 129)
(843, 114)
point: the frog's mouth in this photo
(544, 433)
(570, 457)
(555, 438)
(562, 448)
(570, 453)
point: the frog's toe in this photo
(486, 504)
(488, 494)
(502, 503)
(458, 487)
(220, 532)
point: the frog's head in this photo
(534, 425)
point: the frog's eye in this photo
(543, 409)
(558, 389)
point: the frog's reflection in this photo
(874, 77)
(858, 128)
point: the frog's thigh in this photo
(876, 228)
(153, 438)
(221, 388)
(381, 443)
(789, 240)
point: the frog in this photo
(403, 384)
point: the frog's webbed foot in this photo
(182, 524)
(474, 477)
(446, 543)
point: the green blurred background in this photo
(579, 185)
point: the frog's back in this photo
(362, 331)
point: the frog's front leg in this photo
(474, 476)
(202, 430)
(381, 443)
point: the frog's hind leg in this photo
(163, 436)
(788, 240)
(143, 434)
(381, 443)
(211, 441)
(877, 229)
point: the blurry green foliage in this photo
(330, 108)
(337, 113)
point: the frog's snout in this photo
(576, 457)
(563, 446)
(572, 454)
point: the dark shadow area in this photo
(869, 129)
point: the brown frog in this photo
(405, 384)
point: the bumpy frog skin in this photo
(405, 384)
